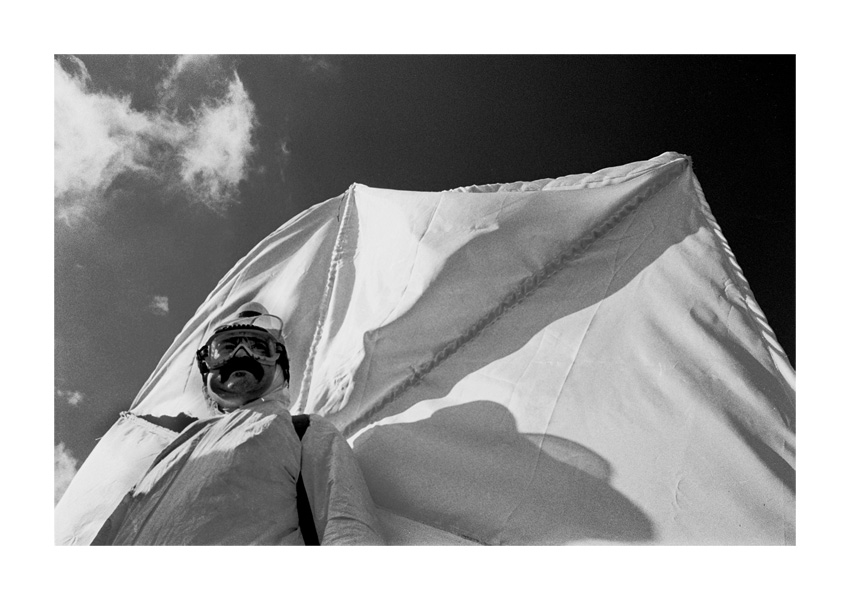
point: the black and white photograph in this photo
(523, 300)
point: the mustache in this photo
(241, 363)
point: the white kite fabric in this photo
(563, 361)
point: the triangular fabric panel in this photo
(571, 360)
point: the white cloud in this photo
(283, 157)
(159, 305)
(320, 65)
(64, 469)
(98, 136)
(202, 65)
(71, 397)
(215, 160)
(186, 59)
(79, 70)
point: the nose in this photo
(241, 348)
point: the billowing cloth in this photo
(571, 360)
(231, 480)
(115, 465)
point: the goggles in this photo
(257, 343)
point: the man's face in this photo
(242, 367)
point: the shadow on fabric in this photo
(468, 470)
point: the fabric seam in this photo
(522, 290)
(330, 284)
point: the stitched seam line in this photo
(750, 303)
(519, 293)
(324, 306)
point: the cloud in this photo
(64, 469)
(78, 68)
(283, 157)
(320, 65)
(159, 305)
(72, 397)
(99, 136)
(191, 78)
(180, 65)
(215, 159)
(96, 137)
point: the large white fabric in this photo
(571, 360)
(231, 480)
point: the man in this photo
(244, 477)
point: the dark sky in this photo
(145, 242)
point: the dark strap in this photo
(305, 515)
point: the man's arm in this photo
(342, 507)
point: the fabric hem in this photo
(767, 336)
(600, 178)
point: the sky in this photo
(169, 169)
